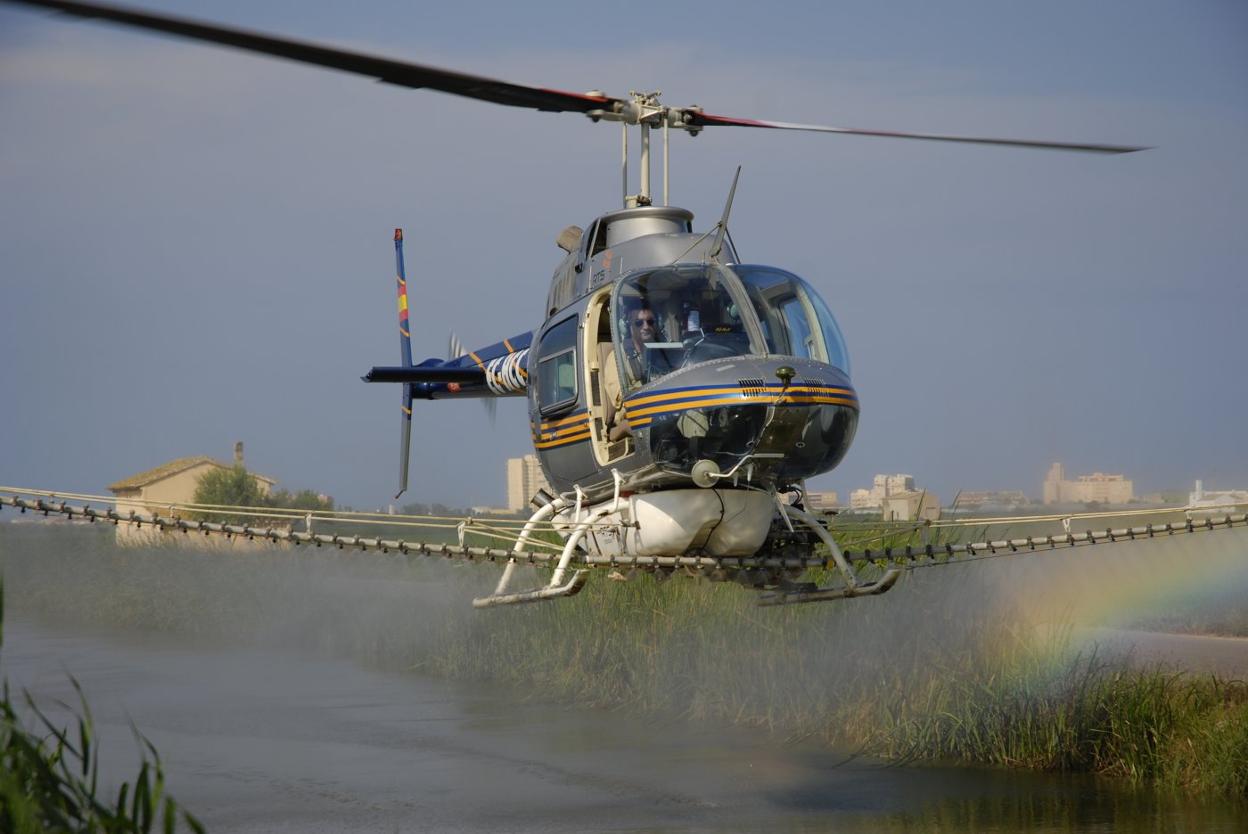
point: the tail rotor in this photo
(454, 350)
(405, 350)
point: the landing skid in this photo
(569, 589)
(851, 585)
(811, 593)
(557, 587)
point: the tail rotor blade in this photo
(400, 276)
(405, 439)
(405, 352)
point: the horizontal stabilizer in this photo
(391, 373)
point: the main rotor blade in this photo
(693, 117)
(420, 76)
(402, 73)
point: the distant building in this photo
(173, 483)
(524, 479)
(1004, 499)
(910, 506)
(1206, 498)
(1086, 489)
(821, 501)
(1053, 483)
(882, 486)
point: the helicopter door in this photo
(561, 432)
(611, 438)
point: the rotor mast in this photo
(644, 111)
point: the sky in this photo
(195, 243)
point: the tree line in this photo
(236, 487)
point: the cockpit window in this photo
(672, 317)
(556, 367)
(794, 319)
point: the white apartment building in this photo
(524, 479)
(1085, 489)
(882, 486)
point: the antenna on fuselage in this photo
(722, 229)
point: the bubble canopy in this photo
(675, 316)
(794, 320)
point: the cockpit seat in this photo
(612, 393)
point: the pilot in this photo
(643, 328)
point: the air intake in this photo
(753, 387)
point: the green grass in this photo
(1148, 726)
(942, 668)
(50, 779)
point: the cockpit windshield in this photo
(676, 316)
(794, 319)
(669, 318)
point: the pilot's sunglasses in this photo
(642, 322)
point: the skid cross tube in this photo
(554, 589)
(852, 587)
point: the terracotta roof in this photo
(168, 470)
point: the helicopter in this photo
(678, 397)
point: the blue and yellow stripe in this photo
(641, 409)
(562, 432)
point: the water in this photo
(274, 740)
(274, 687)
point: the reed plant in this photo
(50, 775)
